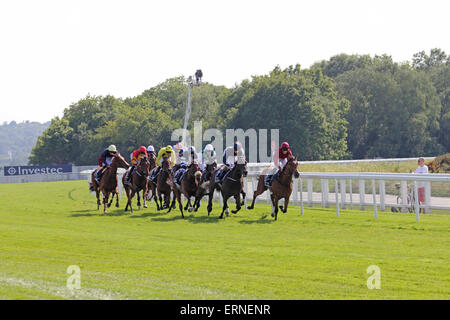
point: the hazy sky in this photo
(54, 53)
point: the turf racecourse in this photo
(46, 227)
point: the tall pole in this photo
(188, 112)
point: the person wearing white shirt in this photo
(421, 169)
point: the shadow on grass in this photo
(149, 214)
(261, 220)
(79, 213)
(201, 219)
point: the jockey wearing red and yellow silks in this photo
(138, 155)
(166, 152)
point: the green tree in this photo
(394, 110)
(53, 146)
(302, 104)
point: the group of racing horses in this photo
(194, 183)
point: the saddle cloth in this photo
(220, 176)
(179, 176)
(269, 178)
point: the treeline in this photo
(17, 140)
(347, 107)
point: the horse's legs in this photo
(138, 200)
(210, 197)
(286, 202)
(180, 205)
(97, 193)
(144, 196)
(238, 203)
(172, 205)
(158, 198)
(112, 198)
(243, 197)
(130, 200)
(105, 201)
(174, 200)
(275, 207)
(225, 206)
(117, 197)
(127, 191)
(259, 190)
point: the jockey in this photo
(209, 155)
(229, 158)
(136, 156)
(151, 151)
(180, 160)
(104, 160)
(178, 149)
(230, 154)
(192, 154)
(208, 159)
(280, 158)
(164, 152)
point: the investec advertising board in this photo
(26, 170)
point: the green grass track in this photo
(47, 227)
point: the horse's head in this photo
(240, 167)
(119, 161)
(291, 168)
(211, 167)
(209, 170)
(152, 160)
(165, 165)
(144, 167)
(194, 170)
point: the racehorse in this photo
(189, 183)
(203, 188)
(152, 160)
(281, 187)
(232, 185)
(161, 187)
(138, 183)
(108, 181)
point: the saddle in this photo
(98, 174)
(128, 175)
(179, 176)
(154, 175)
(220, 176)
(269, 179)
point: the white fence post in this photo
(362, 195)
(301, 196)
(343, 194)
(374, 192)
(337, 196)
(404, 191)
(416, 200)
(325, 190)
(427, 197)
(382, 195)
(351, 193)
(246, 192)
(310, 191)
(295, 189)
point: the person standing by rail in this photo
(421, 169)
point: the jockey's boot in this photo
(98, 175)
(130, 175)
(155, 174)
